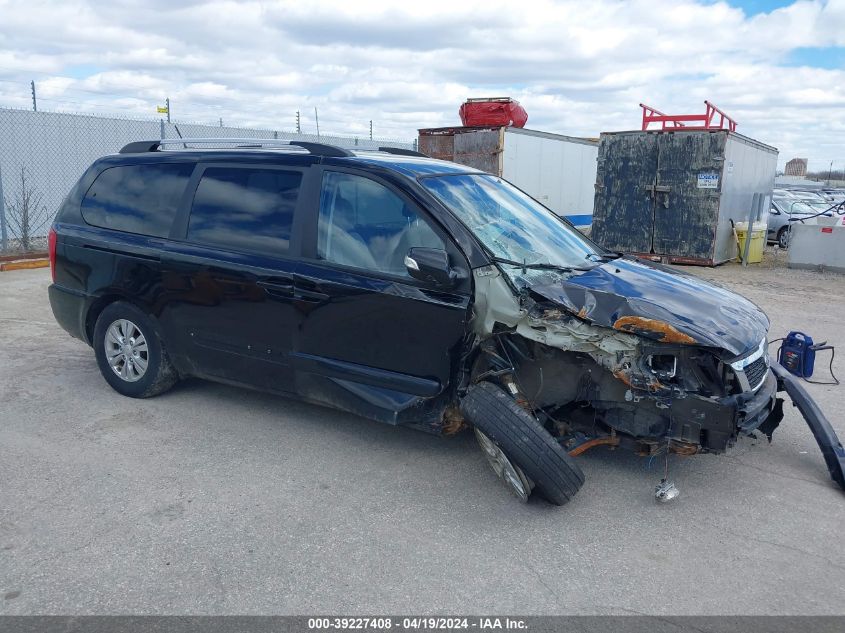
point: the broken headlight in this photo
(663, 366)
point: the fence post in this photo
(161, 121)
(4, 238)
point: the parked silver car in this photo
(787, 209)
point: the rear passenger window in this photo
(137, 198)
(245, 209)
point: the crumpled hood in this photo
(660, 303)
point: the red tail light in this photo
(51, 245)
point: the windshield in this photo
(510, 224)
(798, 207)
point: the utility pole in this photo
(167, 104)
(317, 119)
(34, 104)
(371, 129)
(298, 128)
(829, 171)
(221, 121)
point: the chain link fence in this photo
(43, 154)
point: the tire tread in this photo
(524, 440)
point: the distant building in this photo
(796, 167)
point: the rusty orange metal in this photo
(453, 421)
(641, 325)
(609, 440)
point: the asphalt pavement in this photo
(217, 500)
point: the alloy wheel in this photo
(126, 350)
(516, 480)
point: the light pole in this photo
(829, 172)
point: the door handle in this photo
(309, 290)
(277, 288)
(310, 296)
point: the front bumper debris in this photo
(831, 447)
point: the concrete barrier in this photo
(815, 247)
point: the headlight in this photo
(663, 365)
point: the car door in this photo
(776, 220)
(229, 281)
(374, 340)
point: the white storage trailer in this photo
(557, 170)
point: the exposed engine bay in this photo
(639, 381)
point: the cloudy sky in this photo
(578, 68)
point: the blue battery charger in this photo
(798, 354)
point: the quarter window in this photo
(245, 209)
(365, 225)
(137, 198)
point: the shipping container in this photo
(673, 194)
(557, 170)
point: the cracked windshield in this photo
(523, 235)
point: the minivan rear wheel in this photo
(130, 353)
(520, 450)
(783, 237)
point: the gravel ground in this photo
(213, 500)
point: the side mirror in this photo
(774, 211)
(430, 265)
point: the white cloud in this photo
(578, 67)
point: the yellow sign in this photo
(161, 109)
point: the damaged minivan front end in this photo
(586, 361)
(604, 349)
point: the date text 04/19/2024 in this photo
(424, 623)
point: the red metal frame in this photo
(706, 121)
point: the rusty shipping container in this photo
(558, 171)
(673, 194)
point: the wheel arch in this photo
(102, 302)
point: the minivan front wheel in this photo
(130, 354)
(520, 450)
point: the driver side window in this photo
(365, 225)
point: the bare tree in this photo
(26, 215)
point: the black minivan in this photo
(411, 291)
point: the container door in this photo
(623, 215)
(687, 190)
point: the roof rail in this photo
(401, 152)
(316, 149)
(139, 147)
